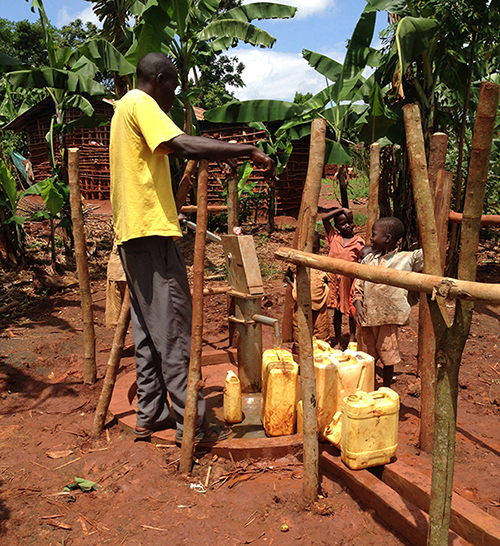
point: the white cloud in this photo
(273, 75)
(306, 8)
(64, 16)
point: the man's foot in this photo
(145, 432)
(208, 435)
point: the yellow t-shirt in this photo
(141, 188)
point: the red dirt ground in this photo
(142, 499)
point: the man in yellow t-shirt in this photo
(146, 224)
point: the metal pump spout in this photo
(268, 321)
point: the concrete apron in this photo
(247, 440)
(399, 494)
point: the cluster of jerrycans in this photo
(363, 423)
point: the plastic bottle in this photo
(232, 399)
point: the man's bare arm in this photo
(194, 147)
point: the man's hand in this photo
(263, 159)
(360, 315)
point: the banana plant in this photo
(341, 103)
(191, 31)
(11, 226)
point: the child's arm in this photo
(357, 299)
(331, 215)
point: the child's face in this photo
(380, 240)
(345, 225)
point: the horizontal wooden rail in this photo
(215, 209)
(430, 284)
(486, 219)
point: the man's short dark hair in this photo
(392, 226)
(153, 64)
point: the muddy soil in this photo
(46, 416)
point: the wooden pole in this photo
(373, 188)
(426, 336)
(451, 340)
(486, 219)
(82, 267)
(195, 383)
(113, 364)
(232, 202)
(433, 285)
(442, 200)
(309, 208)
(424, 204)
(437, 158)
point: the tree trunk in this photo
(113, 364)
(309, 212)
(82, 267)
(195, 383)
(451, 341)
(374, 188)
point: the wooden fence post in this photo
(82, 267)
(195, 383)
(309, 208)
(373, 188)
(424, 204)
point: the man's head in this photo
(386, 233)
(157, 76)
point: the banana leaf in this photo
(335, 154)
(377, 119)
(41, 78)
(254, 110)
(412, 37)
(232, 29)
(259, 10)
(106, 57)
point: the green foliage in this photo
(301, 98)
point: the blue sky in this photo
(277, 73)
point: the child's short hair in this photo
(393, 226)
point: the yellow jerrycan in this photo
(233, 412)
(275, 355)
(369, 428)
(354, 371)
(339, 374)
(333, 432)
(279, 398)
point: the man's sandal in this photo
(208, 435)
(145, 432)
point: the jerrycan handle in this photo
(361, 375)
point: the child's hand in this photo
(360, 315)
